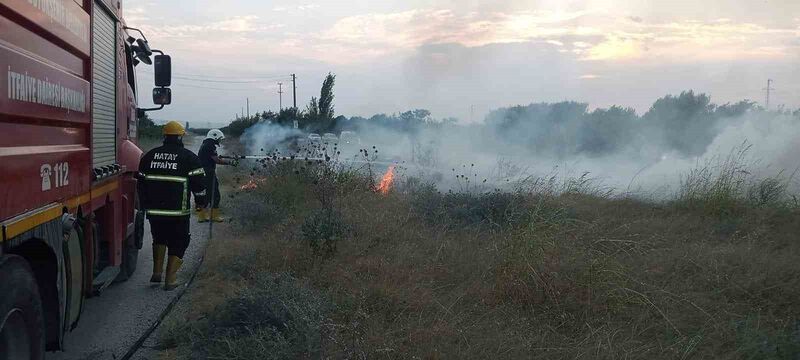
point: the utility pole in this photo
(248, 108)
(768, 89)
(471, 113)
(294, 90)
(280, 96)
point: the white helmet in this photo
(215, 134)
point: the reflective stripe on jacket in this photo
(168, 174)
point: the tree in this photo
(312, 110)
(319, 114)
(686, 122)
(148, 128)
(606, 131)
(145, 121)
(237, 127)
(326, 110)
(735, 110)
(287, 117)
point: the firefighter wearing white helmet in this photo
(209, 159)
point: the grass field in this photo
(319, 265)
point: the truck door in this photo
(104, 91)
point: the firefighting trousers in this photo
(212, 183)
(173, 232)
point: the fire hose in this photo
(301, 158)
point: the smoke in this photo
(266, 137)
(645, 155)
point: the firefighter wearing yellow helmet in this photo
(168, 175)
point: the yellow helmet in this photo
(174, 128)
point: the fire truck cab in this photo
(68, 156)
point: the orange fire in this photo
(253, 184)
(387, 181)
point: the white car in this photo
(314, 138)
(349, 138)
(330, 138)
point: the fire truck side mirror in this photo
(162, 96)
(163, 70)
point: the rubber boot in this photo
(173, 265)
(216, 216)
(159, 251)
(202, 215)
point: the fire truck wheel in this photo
(21, 316)
(130, 256)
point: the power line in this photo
(233, 77)
(209, 88)
(212, 80)
(178, 84)
(220, 81)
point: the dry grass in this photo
(527, 274)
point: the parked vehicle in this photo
(68, 159)
(330, 138)
(349, 138)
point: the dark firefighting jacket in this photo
(167, 177)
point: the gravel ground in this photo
(113, 321)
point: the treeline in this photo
(148, 129)
(685, 124)
(318, 115)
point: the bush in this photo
(257, 210)
(238, 126)
(323, 230)
(276, 317)
(489, 209)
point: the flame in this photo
(253, 184)
(387, 181)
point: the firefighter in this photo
(209, 159)
(167, 175)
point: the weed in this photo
(275, 317)
(323, 230)
(548, 268)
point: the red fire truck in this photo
(68, 155)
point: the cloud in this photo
(615, 48)
(298, 8)
(223, 31)
(595, 35)
(590, 77)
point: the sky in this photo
(464, 58)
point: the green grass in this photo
(553, 270)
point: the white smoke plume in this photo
(266, 137)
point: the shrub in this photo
(276, 317)
(725, 187)
(323, 230)
(257, 210)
